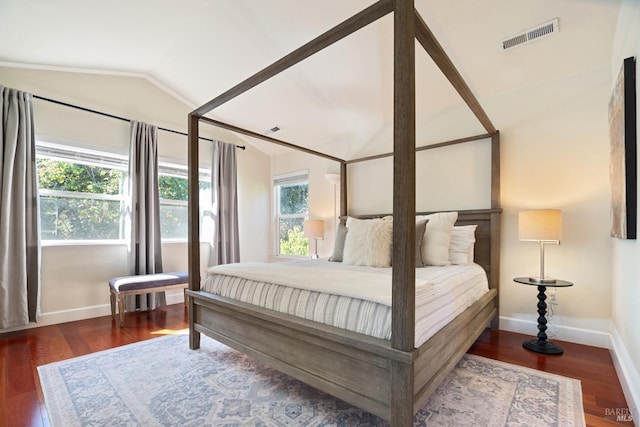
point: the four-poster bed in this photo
(389, 378)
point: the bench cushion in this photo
(145, 281)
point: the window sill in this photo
(54, 243)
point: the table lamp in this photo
(314, 228)
(543, 226)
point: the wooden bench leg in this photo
(121, 309)
(113, 304)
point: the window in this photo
(81, 194)
(174, 196)
(292, 207)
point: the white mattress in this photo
(350, 297)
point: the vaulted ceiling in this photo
(343, 95)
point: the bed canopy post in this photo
(193, 224)
(494, 278)
(343, 190)
(404, 210)
(404, 201)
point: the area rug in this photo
(160, 382)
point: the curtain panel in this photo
(145, 245)
(224, 184)
(19, 212)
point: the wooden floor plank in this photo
(22, 403)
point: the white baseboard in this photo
(63, 316)
(627, 373)
(562, 333)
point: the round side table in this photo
(541, 344)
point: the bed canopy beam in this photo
(268, 139)
(424, 147)
(442, 60)
(337, 33)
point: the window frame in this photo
(181, 171)
(278, 181)
(92, 157)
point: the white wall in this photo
(557, 158)
(74, 278)
(447, 178)
(626, 253)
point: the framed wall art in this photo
(623, 161)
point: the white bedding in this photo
(362, 294)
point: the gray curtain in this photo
(19, 212)
(145, 246)
(224, 193)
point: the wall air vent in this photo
(527, 36)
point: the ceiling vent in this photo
(272, 130)
(535, 33)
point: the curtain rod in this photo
(242, 147)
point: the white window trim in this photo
(177, 170)
(79, 195)
(68, 152)
(80, 155)
(297, 177)
(85, 156)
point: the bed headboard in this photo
(487, 246)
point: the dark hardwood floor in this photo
(22, 404)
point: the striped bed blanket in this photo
(350, 297)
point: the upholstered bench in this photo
(120, 287)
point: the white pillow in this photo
(435, 245)
(368, 242)
(463, 239)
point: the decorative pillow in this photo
(338, 245)
(421, 226)
(463, 239)
(435, 245)
(368, 242)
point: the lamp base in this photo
(315, 256)
(542, 346)
(542, 280)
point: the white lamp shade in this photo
(314, 228)
(540, 225)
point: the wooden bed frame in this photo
(391, 379)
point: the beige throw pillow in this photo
(437, 237)
(368, 242)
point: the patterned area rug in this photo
(162, 382)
